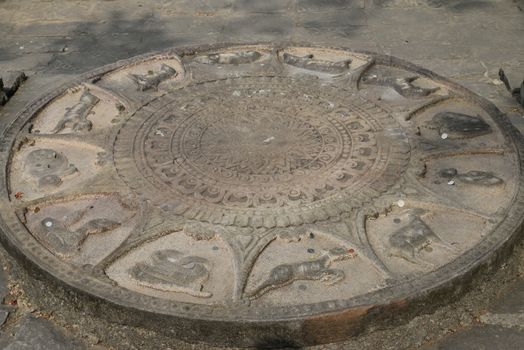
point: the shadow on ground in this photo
(94, 44)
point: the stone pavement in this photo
(466, 40)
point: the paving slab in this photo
(269, 6)
(257, 27)
(511, 300)
(38, 334)
(483, 338)
(3, 286)
(327, 5)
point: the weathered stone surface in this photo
(3, 95)
(3, 316)
(518, 121)
(38, 334)
(9, 84)
(511, 301)
(3, 286)
(299, 188)
(327, 5)
(482, 338)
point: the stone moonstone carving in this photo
(255, 195)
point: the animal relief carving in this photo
(171, 271)
(472, 177)
(310, 63)
(235, 58)
(458, 125)
(64, 239)
(48, 167)
(403, 86)
(316, 270)
(75, 117)
(153, 79)
(409, 241)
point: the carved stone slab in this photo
(256, 195)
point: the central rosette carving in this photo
(255, 147)
(263, 143)
(252, 147)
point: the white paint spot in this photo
(269, 139)
(451, 182)
(401, 203)
(444, 136)
(48, 223)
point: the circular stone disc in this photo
(257, 195)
